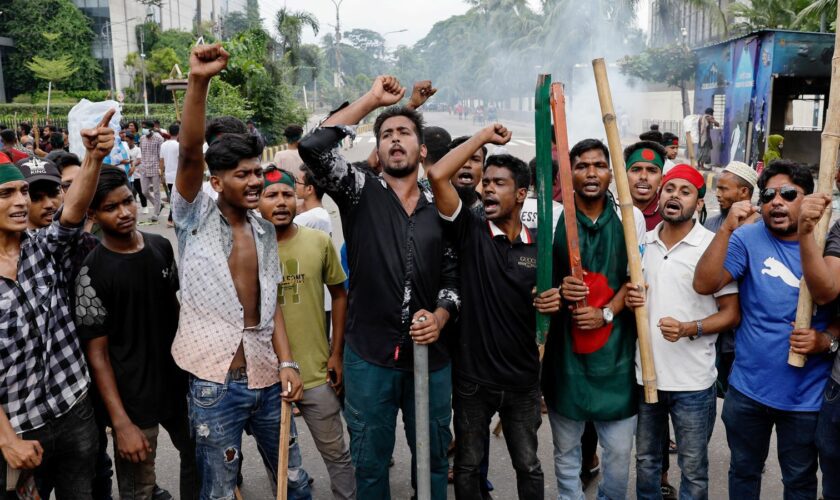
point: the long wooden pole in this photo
(625, 202)
(830, 143)
(689, 148)
(283, 455)
(561, 136)
(542, 117)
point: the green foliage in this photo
(290, 26)
(225, 100)
(62, 97)
(784, 14)
(48, 29)
(160, 63)
(673, 65)
(52, 70)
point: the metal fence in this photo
(673, 126)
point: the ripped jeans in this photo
(218, 415)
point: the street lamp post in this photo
(106, 38)
(337, 4)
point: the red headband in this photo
(687, 173)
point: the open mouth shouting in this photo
(20, 217)
(491, 206)
(465, 178)
(643, 188)
(778, 216)
(397, 153)
(252, 195)
(591, 187)
(672, 208)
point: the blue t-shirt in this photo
(768, 271)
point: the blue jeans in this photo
(474, 406)
(373, 396)
(616, 438)
(218, 415)
(828, 441)
(749, 425)
(692, 412)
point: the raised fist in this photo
(207, 61)
(421, 93)
(739, 213)
(496, 134)
(811, 211)
(99, 141)
(386, 90)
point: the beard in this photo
(679, 219)
(400, 172)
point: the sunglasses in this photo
(788, 193)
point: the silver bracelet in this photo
(290, 364)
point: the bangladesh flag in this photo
(590, 374)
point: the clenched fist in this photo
(739, 213)
(386, 91)
(421, 93)
(496, 134)
(811, 211)
(207, 61)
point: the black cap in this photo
(36, 169)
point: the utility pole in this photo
(107, 42)
(337, 4)
(143, 69)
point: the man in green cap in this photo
(46, 418)
(644, 161)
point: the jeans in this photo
(373, 396)
(616, 439)
(218, 414)
(828, 441)
(690, 411)
(151, 190)
(70, 445)
(137, 480)
(749, 425)
(321, 411)
(474, 406)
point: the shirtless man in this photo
(231, 336)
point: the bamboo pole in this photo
(542, 117)
(689, 148)
(283, 455)
(625, 202)
(561, 136)
(830, 143)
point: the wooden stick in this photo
(283, 458)
(561, 136)
(830, 142)
(625, 202)
(237, 494)
(545, 187)
(689, 147)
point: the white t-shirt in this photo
(288, 159)
(134, 156)
(169, 151)
(528, 216)
(684, 365)
(317, 218)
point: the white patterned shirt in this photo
(212, 322)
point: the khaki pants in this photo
(151, 190)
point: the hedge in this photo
(12, 114)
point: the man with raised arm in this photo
(231, 336)
(46, 417)
(403, 284)
(496, 361)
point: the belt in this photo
(238, 373)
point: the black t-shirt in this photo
(832, 248)
(497, 342)
(131, 299)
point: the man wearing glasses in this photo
(764, 391)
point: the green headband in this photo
(9, 173)
(645, 154)
(278, 177)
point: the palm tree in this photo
(821, 9)
(290, 26)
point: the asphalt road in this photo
(256, 484)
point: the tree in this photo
(68, 34)
(224, 99)
(674, 65)
(290, 26)
(816, 15)
(765, 14)
(52, 70)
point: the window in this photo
(805, 112)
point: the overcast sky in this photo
(417, 17)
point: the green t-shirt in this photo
(308, 261)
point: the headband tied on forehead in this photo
(278, 177)
(9, 173)
(645, 154)
(687, 173)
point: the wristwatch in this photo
(608, 315)
(290, 364)
(835, 343)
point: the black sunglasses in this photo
(788, 193)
